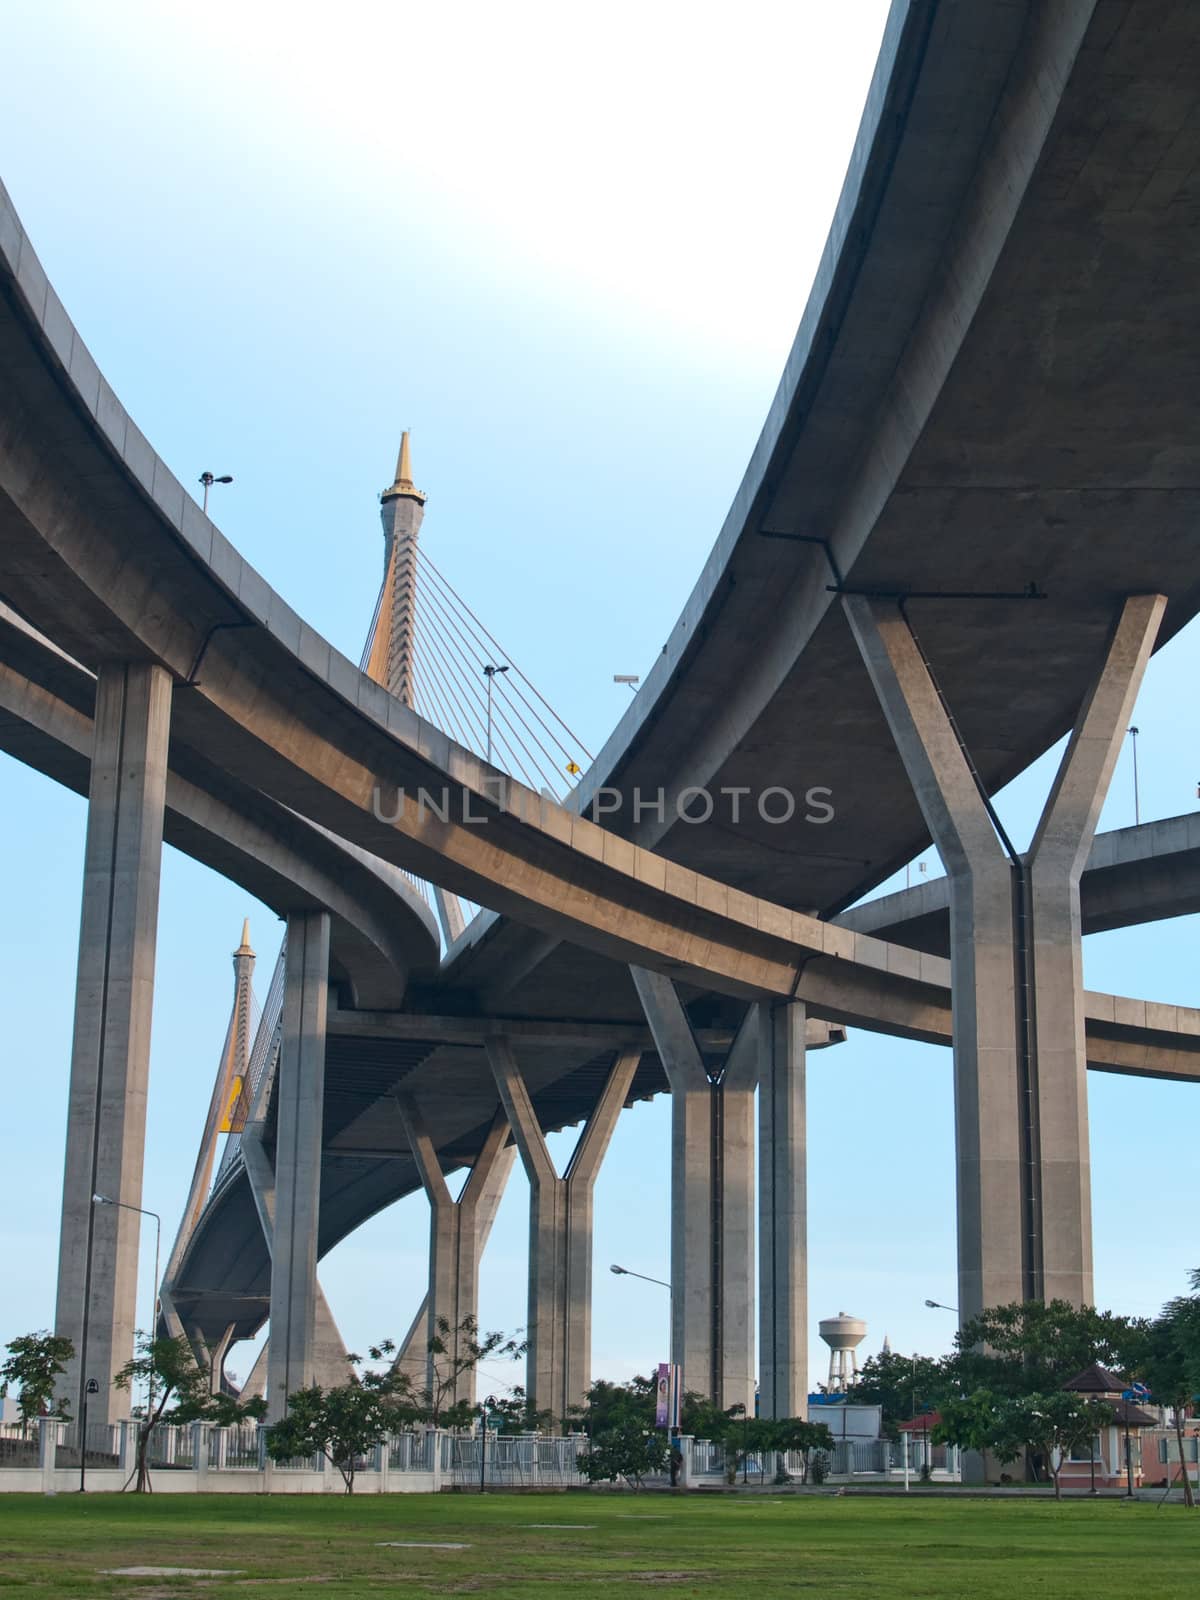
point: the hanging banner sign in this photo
(667, 1392)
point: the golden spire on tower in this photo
(404, 483)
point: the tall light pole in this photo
(625, 1272)
(208, 479)
(936, 1305)
(121, 1205)
(1137, 800)
(489, 673)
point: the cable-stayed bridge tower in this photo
(402, 509)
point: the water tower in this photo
(843, 1335)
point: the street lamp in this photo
(208, 479)
(485, 1412)
(489, 673)
(1137, 805)
(121, 1205)
(936, 1305)
(90, 1387)
(627, 1272)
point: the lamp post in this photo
(489, 673)
(1137, 803)
(936, 1305)
(915, 1359)
(121, 1205)
(90, 1387)
(626, 1272)
(485, 1412)
(208, 479)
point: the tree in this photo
(702, 1418)
(453, 1352)
(902, 1386)
(967, 1421)
(34, 1363)
(347, 1420)
(1170, 1365)
(512, 1414)
(623, 1442)
(626, 1450)
(341, 1423)
(170, 1372)
(1054, 1424)
(611, 1405)
(796, 1436)
(1033, 1348)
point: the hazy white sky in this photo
(569, 247)
(677, 161)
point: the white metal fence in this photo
(847, 1460)
(522, 1462)
(234, 1460)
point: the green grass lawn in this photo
(699, 1545)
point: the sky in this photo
(568, 247)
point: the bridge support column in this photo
(782, 1209)
(560, 1232)
(414, 1349)
(294, 1357)
(110, 1052)
(1024, 1191)
(456, 1239)
(712, 1200)
(1055, 865)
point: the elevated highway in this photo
(377, 1042)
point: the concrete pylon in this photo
(712, 1199)
(1024, 1191)
(299, 1100)
(227, 1110)
(392, 657)
(402, 509)
(414, 1347)
(110, 1052)
(558, 1364)
(331, 1364)
(1055, 864)
(457, 1232)
(780, 1033)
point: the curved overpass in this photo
(45, 706)
(381, 932)
(105, 552)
